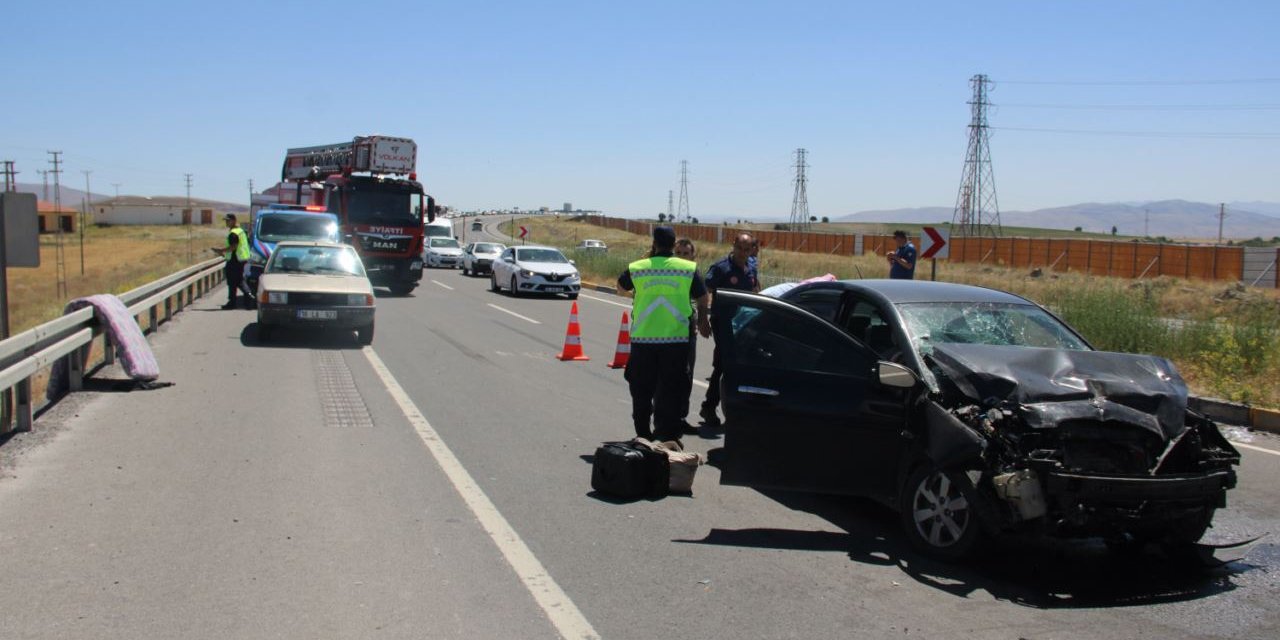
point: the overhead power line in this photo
(1210, 135)
(1147, 107)
(1143, 83)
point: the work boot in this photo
(709, 417)
(230, 305)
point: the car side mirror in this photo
(573, 262)
(892, 374)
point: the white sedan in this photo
(442, 252)
(478, 257)
(535, 270)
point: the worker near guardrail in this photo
(657, 371)
(236, 254)
(735, 271)
(902, 262)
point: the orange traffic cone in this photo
(623, 353)
(573, 338)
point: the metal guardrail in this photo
(24, 355)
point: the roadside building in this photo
(52, 217)
(141, 210)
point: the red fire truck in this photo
(371, 185)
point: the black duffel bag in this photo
(629, 470)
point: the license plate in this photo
(416, 265)
(317, 314)
(556, 289)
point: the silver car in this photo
(478, 257)
(532, 269)
(442, 252)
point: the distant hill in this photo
(1171, 218)
(72, 198)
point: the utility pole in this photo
(10, 177)
(1146, 223)
(117, 186)
(977, 211)
(60, 254)
(191, 257)
(800, 201)
(88, 202)
(1222, 216)
(44, 173)
(683, 212)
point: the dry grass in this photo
(1224, 337)
(116, 259)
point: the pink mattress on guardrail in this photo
(132, 349)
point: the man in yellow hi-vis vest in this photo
(660, 316)
(236, 253)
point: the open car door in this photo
(803, 406)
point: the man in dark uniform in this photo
(736, 271)
(236, 253)
(657, 371)
(902, 263)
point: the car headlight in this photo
(359, 300)
(525, 273)
(277, 297)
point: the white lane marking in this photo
(564, 614)
(1249, 446)
(616, 304)
(442, 284)
(525, 318)
(702, 384)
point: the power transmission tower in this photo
(59, 252)
(800, 201)
(44, 173)
(670, 204)
(10, 177)
(683, 212)
(1222, 217)
(977, 212)
(88, 202)
(1146, 223)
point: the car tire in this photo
(364, 335)
(493, 282)
(573, 296)
(264, 333)
(401, 289)
(939, 513)
(514, 292)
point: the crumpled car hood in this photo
(1052, 386)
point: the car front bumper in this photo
(538, 284)
(287, 315)
(1088, 504)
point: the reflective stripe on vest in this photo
(660, 313)
(242, 245)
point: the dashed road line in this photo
(442, 284)
(702, 384)
(616, 304)
(1252, 447)
(563, 613)
(508, 311)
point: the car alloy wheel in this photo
(938, 513)
(514, 291)
(493, 282)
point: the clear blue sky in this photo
(528, 104)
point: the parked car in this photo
(533, 269)
(442, 252)
(478, 257)
(592, 245)
(280, 223)
(315, 285)
(971, 410)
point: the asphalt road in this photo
(288, 490)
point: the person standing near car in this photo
(687, 250)
(737, 271)
(236, 255)
(902, 263)
(657, 370)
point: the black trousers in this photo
(712, 401)
(658, 377)
(234, 273)
(693, 359)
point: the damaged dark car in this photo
(971, 411)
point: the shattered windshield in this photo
(1021, 325)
